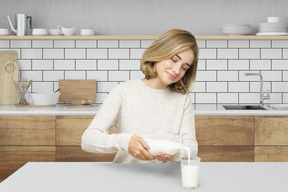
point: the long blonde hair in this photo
(164, 47)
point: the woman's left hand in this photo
(163, 157)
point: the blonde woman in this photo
(157, 106)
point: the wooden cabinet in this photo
(23, 139)
(271, 138)
(225, 138)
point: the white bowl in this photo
(39, 31)
(45, 98)
(54, 32)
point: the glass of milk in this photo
(190, 172)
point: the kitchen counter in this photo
(92, 176)
(199, 109)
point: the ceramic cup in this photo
(275, 19)
(87, 32)
(54, 32)
(39, 31)
(4, 31)
(66, 31)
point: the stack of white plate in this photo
(237, 29)
(273, 28)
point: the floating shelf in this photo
(142, 37)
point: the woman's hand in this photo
(163, 157)
(138, 148)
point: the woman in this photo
(157, 106)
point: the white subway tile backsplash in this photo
(136, 53)
(42, 44)
(201, 65)
(238, 64)
(201, 43)
(100, 98)
(216, 65)
(283, 43)
(285, 53)
(280, 87)
(64, 43)
(238, 43)
(146, 43)
(274, 98)
(260, 65)
(86, 44)
(53, 75)
(118, 75)
(97, 53)
(20, 43)
(136, 75)
(205, 97)
(255, 87)
(118, 53)
(227, 98)
(279, 64)
(285, 75)
(4, 43)
(227, 75)
(75, 53)
(107, 64)
(285, 97)
(206, 76)
(216, 43)
(227, 54)
(108, 44)
(272, 75)
(32, 75)
(257, 43)
(42, 87)
(98, 75)
(24, 64)
(53, 53)
(129, 44)
(216, 87)
(271, 53)
(243, 77)
(249, 98)
(106, 86)
(42, 65)
(199, 87)
(75, 75)
(64, 64)
(238, 87)
(85, 64)
(207, 53)
(129, 64)
(31, 53)
(249, 53)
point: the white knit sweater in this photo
(135, 108)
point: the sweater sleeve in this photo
(96, 138)
(187, 131)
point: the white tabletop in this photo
(106, 177)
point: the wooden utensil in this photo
(8, 75)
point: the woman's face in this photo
(172, 70)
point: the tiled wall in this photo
(220, 77)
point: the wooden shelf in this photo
(11, 37)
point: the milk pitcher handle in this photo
(59, 27)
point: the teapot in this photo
(20, 20)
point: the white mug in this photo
(4, 31)
(66, 31)
(275, 19)
(87, 32)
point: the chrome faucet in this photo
(262, 96)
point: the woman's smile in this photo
(171, 76)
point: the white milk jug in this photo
(163, 146)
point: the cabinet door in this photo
(27, 130)
(224, 130)
(271, 130)
(271, 154)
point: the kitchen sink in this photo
(243, 107)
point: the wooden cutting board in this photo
(8, 75)
(76, 90)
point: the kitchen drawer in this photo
(76, 154)
(271, 154)
(226, 153)
(27, 130)
(271, 130)
(224, 130)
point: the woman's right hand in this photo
(138, 148)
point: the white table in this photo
(102, 177)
